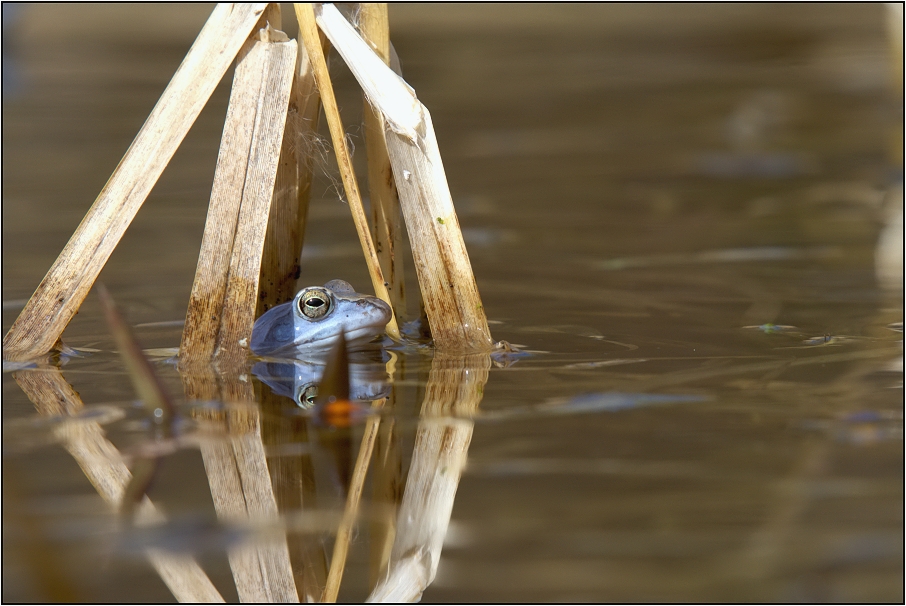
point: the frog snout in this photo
(378, 312)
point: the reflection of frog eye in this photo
(306, 396)
(314, 304)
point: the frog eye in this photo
(306, 396)
(314, 303)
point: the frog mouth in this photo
(377, 313)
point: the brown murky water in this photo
(675, 209)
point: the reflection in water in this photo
(105, 469)
(192, 534)
(454, 390)
(290, 494)
(770, 328)
(734, 255)
(36, 432)
(271, 560)
(749, 165)
(889, 250)
(596, 402)
(298, 379)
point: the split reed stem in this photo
(385, 203)
(308, 31)
(225, 293)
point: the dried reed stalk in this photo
(103, 465)
(308, 32)
(286, 223)
(225, 292)
(452, 302)
(385, 204)
(449, 291)
(289, 210)
(61, 292)
(453, 392)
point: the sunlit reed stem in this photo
(69, 279)
(385, 203)
(308, 32)
(452, 302)
(280, 268)
(224, 295)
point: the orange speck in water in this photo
(339, 413)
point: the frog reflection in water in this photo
(314, 318)
(299, 379)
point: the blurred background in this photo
(655, 198)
